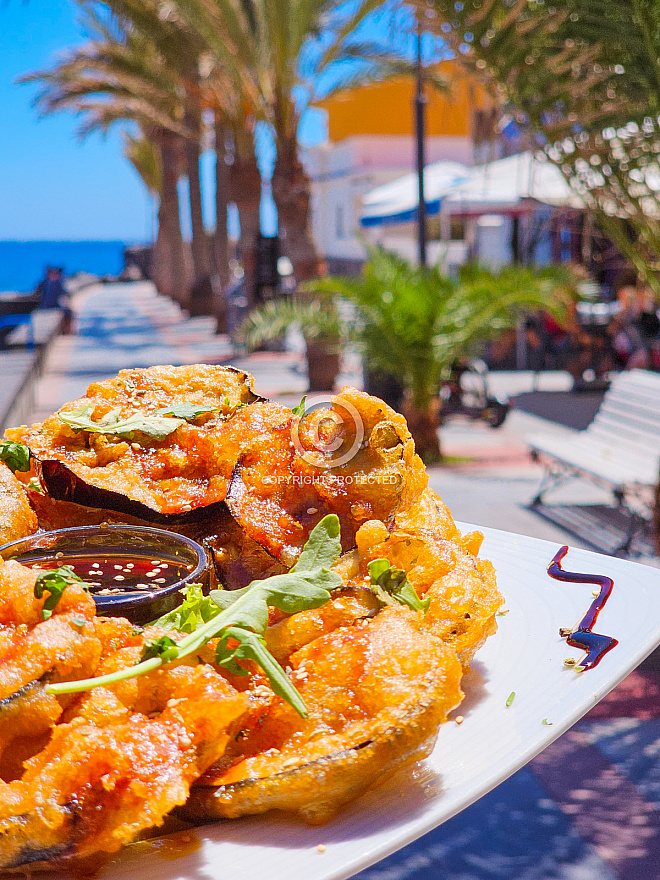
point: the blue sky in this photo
(51, 185)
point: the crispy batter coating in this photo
(85, 774)
(376, 693)
(290, 479)
(17, 519)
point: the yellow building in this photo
(371, 141)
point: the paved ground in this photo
(588, 808)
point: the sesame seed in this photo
(321, 847)
(569, 661)
(185, 741)
(117, 567)
(187, 507)
(130, 565)
(95, 565)
(91, 573)
(152, 574)
(136, 447)
(160, 581)
(59, 555)
(459, 719)
(595, 592)
(155, 561)
(120, 577)
(312, 510)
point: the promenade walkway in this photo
(588, 808)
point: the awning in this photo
(501, 185)
(397, 201)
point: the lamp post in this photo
(420, 106)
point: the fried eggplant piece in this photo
(17, 519)
(376, 692)
(34, 651)
(442, 566)
(152, 479)
(95, 786)
(356, 459)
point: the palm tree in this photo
(414, 322)
(275, 54)
(582, 77)
(115, 78)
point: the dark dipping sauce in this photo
(594, 644)
(125, 575)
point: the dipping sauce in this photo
(126, 575)
(583, 636)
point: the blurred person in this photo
(636, 326)
(53, 295)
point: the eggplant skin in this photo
(316, 791)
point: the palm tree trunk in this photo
(170, 269)
(291, 192)
(246, 193)
(200, 252)
(220, 239)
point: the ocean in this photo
(23, 263)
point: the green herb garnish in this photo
(195, 610)
(54, 582)
(510, 698)
(187, 411)
(15, 455)
(155, 426)
(241, 616)
(165, 648)
(300, 409)
(391, 585)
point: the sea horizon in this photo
(23, 262)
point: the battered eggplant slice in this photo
(87, 773)
(17, 519)
(33, 652)
(376, 693)
(442, 566)
(112, 772)
(356, 459)
(153, 443)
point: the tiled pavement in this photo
(588, 807)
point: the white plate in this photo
(525, 656)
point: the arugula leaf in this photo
(15, 455)
(323, 546)
(195, 609)
(187, 411)
(54, 581)
(245, 612)
(251, 647)
(300, 409)
(391, 583)
(164, 649)
(156, 426)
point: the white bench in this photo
(620, 450)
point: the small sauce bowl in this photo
(135, 572)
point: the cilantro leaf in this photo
(187, 411)
(300, 409)
(164, 649)
(156, 426)
(15, 455)
(54, 581)
(392, 584)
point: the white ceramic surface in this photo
(525, 656)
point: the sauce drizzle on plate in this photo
(583, 637)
